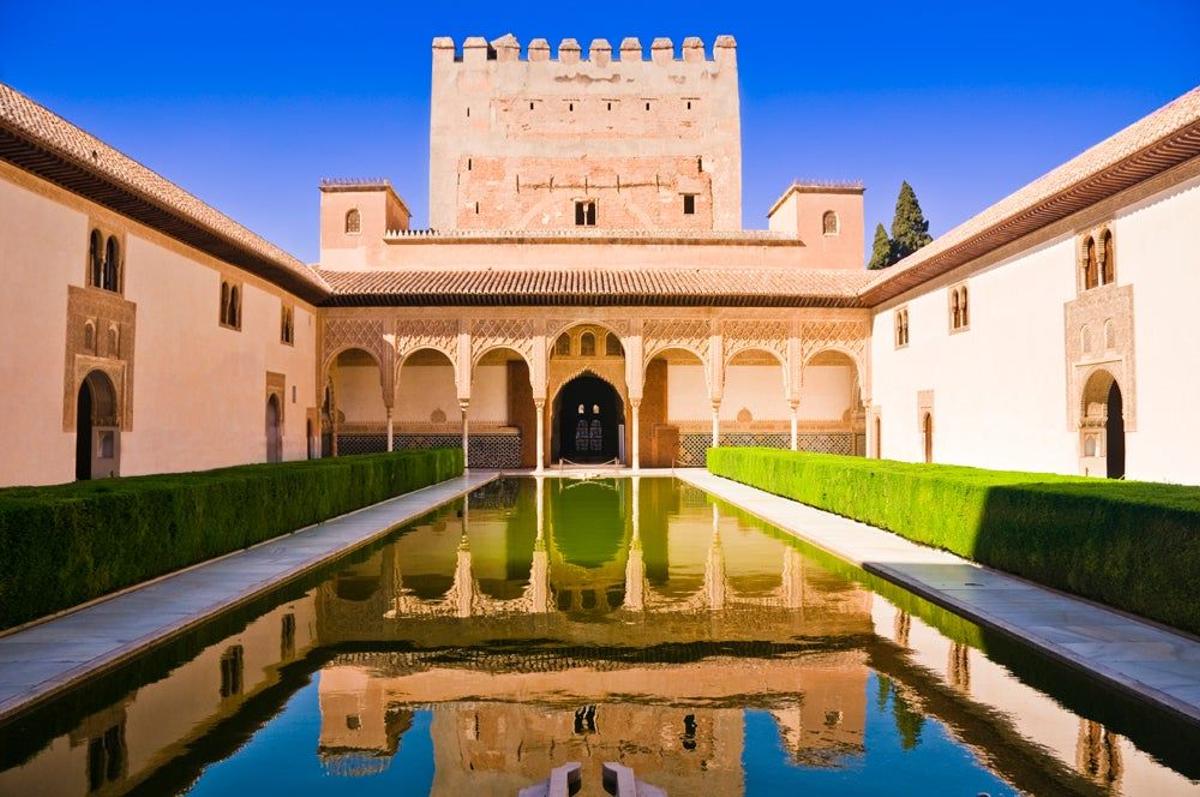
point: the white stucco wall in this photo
(422, 390)
(1000, 388)
(758, 388)
(1157, 254)
(199, 391)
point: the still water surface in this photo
(631, 620)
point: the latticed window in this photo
(1091, 270)
(959, 308)
(612, 346)
(96, 259)
(587, 344)
(829, 223)
(353, 221)
(562, 346)
(1108, 268)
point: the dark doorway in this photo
(274, 433)
(83, 433)
(97, 429)
(589, 417)
(927, 434)
(1115, 433)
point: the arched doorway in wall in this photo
(1114, 433)
(927, 435)
(308, 436)
(878, 438)
(589, 418)
(274, 430)
(97, 429)
(1102, 426)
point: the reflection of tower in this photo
(715, 586)
(635, 566)
(1098, 753)
(360, 733)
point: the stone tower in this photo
(625, 143)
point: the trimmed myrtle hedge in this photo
(66, 544)
(1132, 545)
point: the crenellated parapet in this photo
(649, 131)
(476, 50)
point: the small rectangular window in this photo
(585, 213)
(689, 204)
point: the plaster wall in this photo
(759, 389)
(999, 388)
(1156, 254)
(422, 390)
(199, 390)
(1000, 392)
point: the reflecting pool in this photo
(637, 620)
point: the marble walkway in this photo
(1145, 659)
(42, 660)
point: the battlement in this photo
(476, 50)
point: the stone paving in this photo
(45, 659)
(1150, 661)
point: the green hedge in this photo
(69, 543)
(1132, 545)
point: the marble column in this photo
(795, 408)
(539, 406)
(716, 424)
(463, 404)
(636, 460)
(389, 428)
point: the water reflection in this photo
(546, 621)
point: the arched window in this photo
(89, 336)
(1085, 339)
(901, 316)
(927, 435)
(587, 344)
(287, 326)
(966, 317)
(955, 311)
(353, 221)
(612, 346)
(562, 346)
(1091, 276)
(96, 259)
(235, 307)
(1110, 335)
(224, 302)
(829, 223)
(114, 342)
(112, 265)
(1108, 270)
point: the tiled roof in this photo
(1150, 146)
(41, 142)
(686, 287)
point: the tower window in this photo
(689, 204)
(469, 164)
(829, 223)
(585, 213)
(353, 221)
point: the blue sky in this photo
(249, 105)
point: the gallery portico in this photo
(515, 384)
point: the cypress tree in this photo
(910, 229)
(881, 250)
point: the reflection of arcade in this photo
(678, 720)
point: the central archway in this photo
(97, 428)
(589, 420)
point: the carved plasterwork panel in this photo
(1099, 336)
(512, 333)
(367, 334)
(660, 334)
(438, 334)
(742, 335)
(100, 337)
(848, 337)
(556, 326)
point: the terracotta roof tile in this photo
(74, 150)
(690, 287)
(1149, 146)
